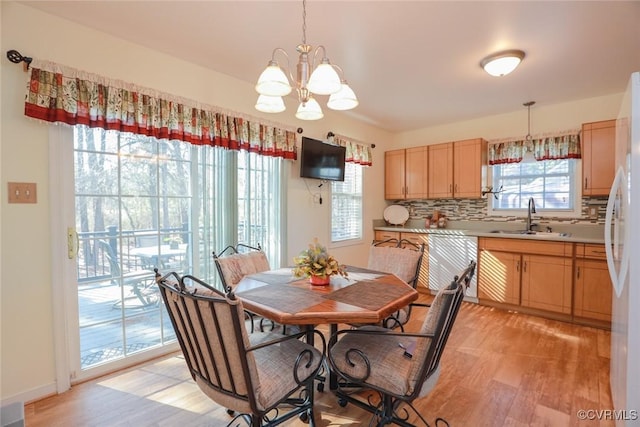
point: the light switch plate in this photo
(22, 192)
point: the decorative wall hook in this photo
(489, 190)
(15, 57)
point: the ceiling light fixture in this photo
(273, 83)
(502, 63)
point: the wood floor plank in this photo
(499, 369)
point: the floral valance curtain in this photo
(356, 152)
(545, 148)
(64, 95)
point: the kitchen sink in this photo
(548, 234)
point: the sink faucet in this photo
(531, 208)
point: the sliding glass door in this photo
(142, 204)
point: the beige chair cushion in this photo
(235, 267)
(390, 369)
(401, 262)
(271, 367)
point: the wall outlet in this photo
(22, 192)
(593, 212)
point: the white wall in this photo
(544, 119)
(27, 361)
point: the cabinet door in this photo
(469, 167)
(592, 298)
(598, 157)
(379, 236)
(499, 277)
(394, 166)
(416, 176)
(441, 170)
(546, 283)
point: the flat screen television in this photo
(319, 160)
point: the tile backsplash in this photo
(476, 210)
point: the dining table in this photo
(362, 297)
(154, 256)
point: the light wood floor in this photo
(499, 369)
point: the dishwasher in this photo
(449, 255)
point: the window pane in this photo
(346, 205)
(551, 183)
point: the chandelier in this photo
(273, 83)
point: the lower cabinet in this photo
(592, 297)
(546, 283)
(527, 274)
(499, 276)
(380, 236)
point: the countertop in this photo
(575, 233)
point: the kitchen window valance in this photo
(357, 152)
(60, 94)
(565, 146)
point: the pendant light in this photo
(274, 82)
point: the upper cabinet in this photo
(406, 173)
(452, 169)
(598, 157)
(440, 170)
(457, 169)
(394, 182)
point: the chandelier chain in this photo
(304, 21)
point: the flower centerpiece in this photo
(316, 264)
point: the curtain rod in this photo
(15, 57)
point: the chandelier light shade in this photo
(502, 63)
(325, 79)
(270, 104)
(345, 99)
(273, 81)
(309, 110)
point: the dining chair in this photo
(140, 280)
(235, 262)
(403, 258)
(396, 366)
(263, 379)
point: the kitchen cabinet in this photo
(598, 157)
(406, 173)
(457, 169)
(525, 273)
(546, 283)
(380, 236)
(499, 276)
(394, 182)
(592, 285)
(440, 170)
(469, 168)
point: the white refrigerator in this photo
(622, 243)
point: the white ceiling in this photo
(412, 64)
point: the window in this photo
(143, 203)
(551, 183)
(346, 205)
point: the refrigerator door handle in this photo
(617, 262)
